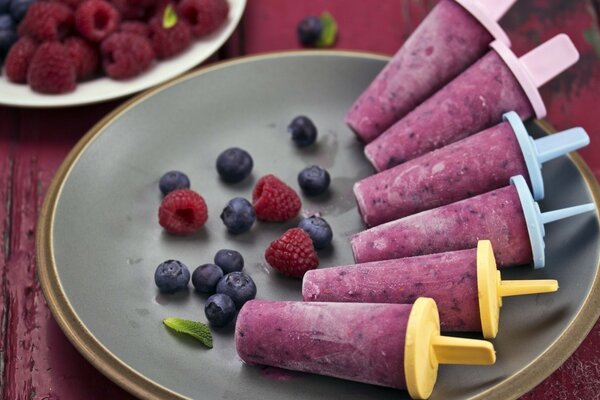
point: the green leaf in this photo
(329, 33)
(195, 329)
(169, 17)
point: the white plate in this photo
(103, 89)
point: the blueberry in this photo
(206, 277)
(8, 35)
(234, 164)
(239, 286)
(171, 276)
(4, 6)
(318, 229)
(313, 180)
(18, 8)
(309, 30)
(303, 131)
(219, 309)
(229, 260)
(173, 180)
(238, 215)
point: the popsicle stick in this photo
(517, 288)
(551, 216)
(451, 350)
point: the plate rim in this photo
(139, 385)
(65, 100)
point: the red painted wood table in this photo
(37, 360)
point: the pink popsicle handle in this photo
(495, 9)
(549, 59)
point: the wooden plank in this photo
(40, 363)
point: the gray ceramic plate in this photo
(99, 240)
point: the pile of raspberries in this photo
(62, 42)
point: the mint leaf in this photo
(169, 17)
(329, 33)
(195, 329)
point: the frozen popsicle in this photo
(465, 284)
(475, 100)
(453, 36)
(394, 345)
(471, 166)
(508, 216)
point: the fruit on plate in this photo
(273, 200)
(171, 276)
(182, 212)
(293, 253)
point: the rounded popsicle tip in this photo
(425, 349)
(310, 290)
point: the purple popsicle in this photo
(471, 166)
(508, 217)
(465, 284)
(394, 345)
(449, 278)
(473, 101)
(496, 215)
(447, 41)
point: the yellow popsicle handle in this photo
(517, 288)
(425, 349)
(452, 350)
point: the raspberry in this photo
(169, 42)
(293, 253)
(19, 58)
(51, 70)
(136, 27)
(73, 4)
(204, 16)
(182, 212)
(47, 21)
(96, 19)
(85, 56)
(126, 55)
(130, 11)
(273, 200)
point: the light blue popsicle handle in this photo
(559, 144)
(551, 216)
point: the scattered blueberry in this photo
(4, 6)
(238, 215)
(219, 309)
(309, 30)
(171, 276)
(8, 34)
(18, 8)
(229, 260)
(234, 164)
(303, 131)
(319, 231)
(313, 180)
(173, 180)
(206, 277)
(239, 286)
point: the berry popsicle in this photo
(465, 284)
(471, 166)
(454, 35)
(475, 100)
(508, 216)
(394, 345)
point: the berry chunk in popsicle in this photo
(355, 341)
(465, 284)
(475, 100)
(471, 166)
(454, 35)
(508, 217)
